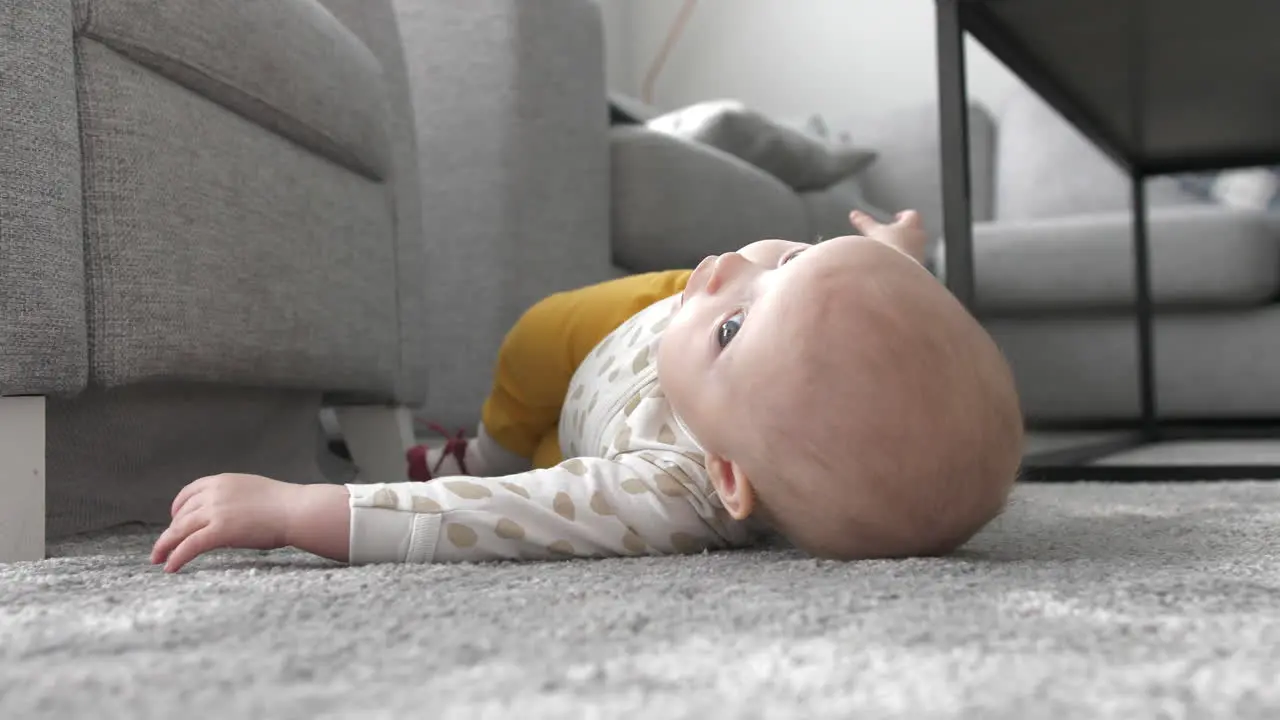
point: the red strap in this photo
(455, 446)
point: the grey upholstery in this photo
(675, 202)
(1218, 365)
(209, 263)
(377, 25)
(828, 209)
(44, 346)
(1054, 266)
(290, 67)
(1053, 252)
(1045, 168)
(907, 173)
(1202, 258)
(121, 455)
(211, 221)
(512, 142)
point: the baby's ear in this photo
(732, 485)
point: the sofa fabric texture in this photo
(674, 202)
(1045, 168)
(513, 148)
(200, 247)
(1202, 258)
(44, 344)
(288, 66)
(208, 264)
(378, 26)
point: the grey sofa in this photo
(209, 226)
(513, 149)
(1052, 245)
(1055, 281)
(673, 202)
(218, 218)
(1053, 254)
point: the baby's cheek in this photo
(669, 353)
(678, 368)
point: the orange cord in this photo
(673, 35)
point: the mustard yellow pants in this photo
(541, 352)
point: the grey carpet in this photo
(1083, 601)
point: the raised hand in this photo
(905, 233)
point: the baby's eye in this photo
(729, 328)
(790, 256)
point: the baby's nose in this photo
(727, 267)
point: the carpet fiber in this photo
(1083, 601)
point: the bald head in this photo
(890, 425)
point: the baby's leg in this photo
(548, 453)
(530, 381)
(535, 364)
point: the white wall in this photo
(619, 66)
(792, 58)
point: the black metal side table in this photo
(1162, 87)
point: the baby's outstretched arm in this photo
(254, 512)
(905, 233)
(634, 504)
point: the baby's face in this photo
(704, 336)
(729, 334)
(812, 375)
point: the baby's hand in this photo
(232, 511)
(906, 233)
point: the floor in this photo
(1090, 601)
(1202, 452)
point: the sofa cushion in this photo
(626, 110)
(802, 159)
(675, 202)
(378, 24)
(1209, 366)
(1046, 168)
(1202, 257)
(43, 344)
(1256, 188)
(907, 173)
(287, 65)
(218, 251)
(828, 210)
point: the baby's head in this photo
(844, 396)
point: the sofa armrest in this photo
(376, 23)
(43, 333)
(676, 201)
(908, 171)
(512, 123)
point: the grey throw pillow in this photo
(1245, 189)
(800, 159)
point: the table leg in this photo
(953, 123)
(1143, 310)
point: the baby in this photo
(836, 394)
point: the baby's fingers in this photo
(909, 218)
(195, 545)
(172, 537)
(186, 493)
(864, 223)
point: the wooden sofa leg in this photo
(377, 438)
(22, 507)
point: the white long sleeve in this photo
(638, 486)
(645, 502)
